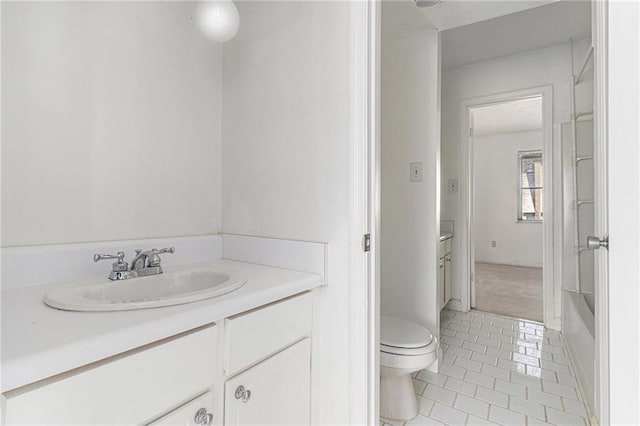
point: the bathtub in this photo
(578, 323)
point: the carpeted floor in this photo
(514, 291)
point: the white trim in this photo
(375, 49)
(363, 186)
(517, 265)
(601, 385)
(466, 195)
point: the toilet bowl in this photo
(405, 347)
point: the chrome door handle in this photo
(594, 243)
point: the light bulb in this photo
(219, 20)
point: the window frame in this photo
(536, 153)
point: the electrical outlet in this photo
(453, 185)
(415, 172)
(493, 243)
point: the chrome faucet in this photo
(143, 264)
(148, 262)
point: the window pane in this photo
(531, 171)
(531, 183)
(532, 204)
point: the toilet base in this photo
(398, 399)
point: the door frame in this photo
(467, 299)
(364, 206)
(599, 41)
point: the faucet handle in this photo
(154, 258)
(118, 266)
(98, 257)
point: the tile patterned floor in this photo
(498, 370)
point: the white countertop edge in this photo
(29, 368)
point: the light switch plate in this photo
(415, 172)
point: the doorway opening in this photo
(508, 208)
(508, 160)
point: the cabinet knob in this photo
(202, 417)
(243, 394)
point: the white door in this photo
(274, 392)
(617, 101)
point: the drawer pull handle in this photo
(243, 394)
(202, 417)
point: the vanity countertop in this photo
(40, 342)
(446, 235)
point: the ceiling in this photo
(402, 18)
(507, 117)
(532, 29)
(477, 30)
(456, 13)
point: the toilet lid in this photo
(403, 334)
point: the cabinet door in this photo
(447, 278)
(274, 392)
(197, 412)
(441, 279)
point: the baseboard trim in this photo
(520, 265)
(454, 305)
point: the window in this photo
(530, 186)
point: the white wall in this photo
(286, 141)
(410, 221)
(536, 68)
(111, 126)
(496, 201)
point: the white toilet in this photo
(405, 347)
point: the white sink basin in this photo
(167, 289)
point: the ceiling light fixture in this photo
(219, 20)
(427, 3)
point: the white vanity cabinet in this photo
(136, 387)
(250, 368)
(268, 364)
(445, 271)
(198, 412)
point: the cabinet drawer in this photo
(130, 388)
(257, 334)
(193, 413)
